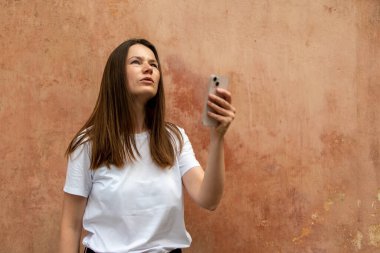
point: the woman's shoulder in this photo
(81, 145)
(175, 129)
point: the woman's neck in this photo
(140, 118)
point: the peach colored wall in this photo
(303, 166)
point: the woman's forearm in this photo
(71, 223)
(69, 240)
(213, 183)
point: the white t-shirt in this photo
(138, 208)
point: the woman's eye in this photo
(154, 65)
(135, 61)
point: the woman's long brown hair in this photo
(111, 126)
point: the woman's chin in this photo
(144, 97)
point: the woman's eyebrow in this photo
(142, 58)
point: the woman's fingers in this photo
(224, 114)
(219, 110)
(222, 102)
(225, 94)
(223, 120)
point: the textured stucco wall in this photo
(303, 166)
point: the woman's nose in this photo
(147, 68)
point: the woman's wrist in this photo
(216, 137)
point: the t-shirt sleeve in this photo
(78, 175)
(187, 159)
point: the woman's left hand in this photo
(223, 111)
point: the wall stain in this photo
(357, 241)
(333, 198)
(328, 203)
(374, 235)
(305, 232)
(329, 9)
(337, 146)
(188, 92)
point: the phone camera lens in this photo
(217, 83)
(215, 79)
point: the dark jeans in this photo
(87, 250)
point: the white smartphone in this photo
(215, 81)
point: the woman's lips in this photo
(147, 80)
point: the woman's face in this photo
(142, 72)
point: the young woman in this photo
(127, 165)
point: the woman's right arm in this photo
(71, 223)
